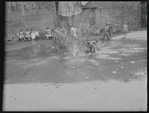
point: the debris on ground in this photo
(114, 72)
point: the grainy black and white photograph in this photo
(75, 56)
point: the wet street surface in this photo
(117, 60)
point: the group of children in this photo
(108, 28)
(91, 45)
(55, 33)
(28, 35)
(107, 31)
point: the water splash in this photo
(73, 41)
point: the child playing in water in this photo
(73, 31)
(92, 46)
(106, 32)
(33, 36)
(109, 29)
(125, 29)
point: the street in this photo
(112, 79)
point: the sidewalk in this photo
(138, 35)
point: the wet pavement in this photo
(117, 60)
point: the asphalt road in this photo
(112, 79)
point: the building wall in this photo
(41, 15)
(117, 12)
(38, 15)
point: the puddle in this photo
(43, 64)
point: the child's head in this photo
(32, 29)
(27, 29)
(21, 30)
(47, 28)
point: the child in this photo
(73, 31)
(33, 36)
(125, 29)
(18, 35)
(54, 37)
(109, 29)
(21, 35)
(106, 32)
(56, 41)
(28, 35)
(92, 46)
(37, 35)
(48, 33)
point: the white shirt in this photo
(74, 31)
(48, 32)
(21, 34)
(125, 27)
(33, 35)
(27, 33)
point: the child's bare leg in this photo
(103, 36)
(33, 42)
(108, 36)
(54, 43)
(125, 35)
